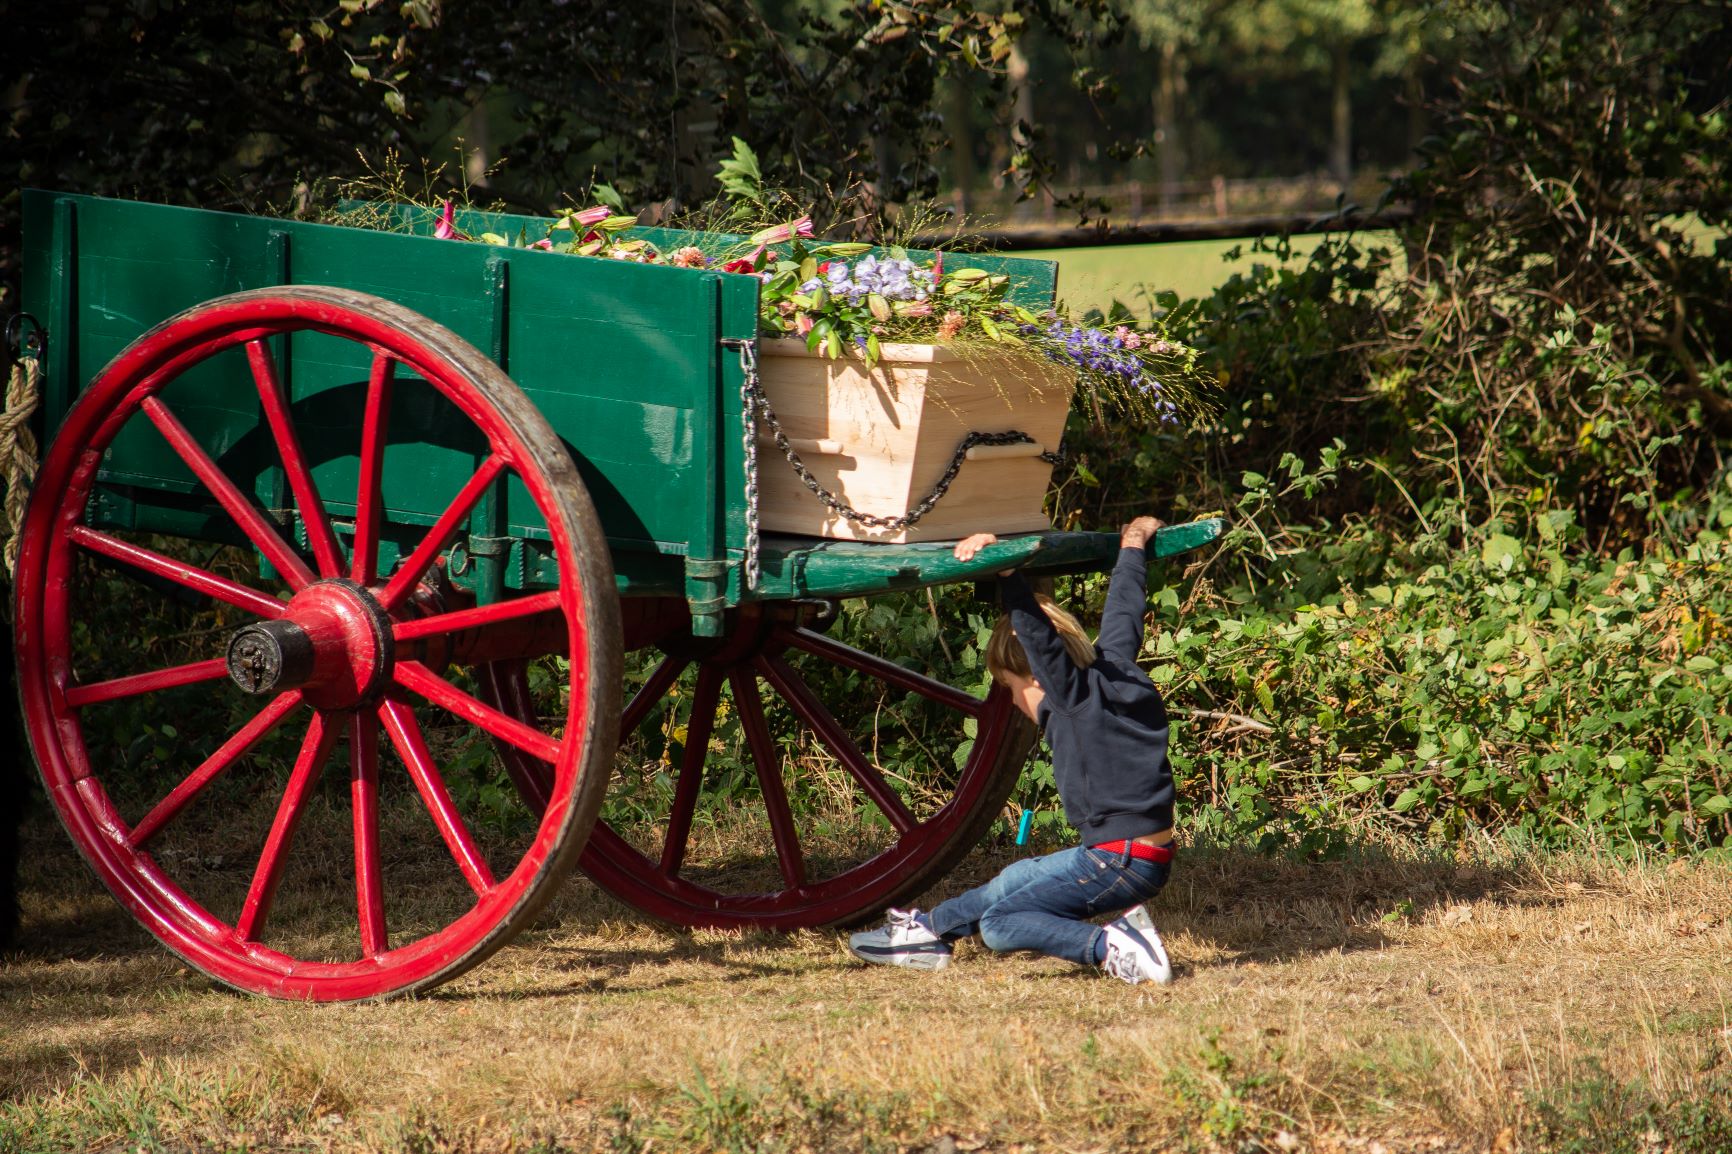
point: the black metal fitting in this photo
(19, 341)
(269, 656)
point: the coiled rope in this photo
(18, 452)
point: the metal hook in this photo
(20, 342)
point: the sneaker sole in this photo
(908, 960)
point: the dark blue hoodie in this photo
(1106, 725)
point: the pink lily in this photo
(593, 215)
(937, 267)
(802, 323)
(782, 232)
(446, 229)
(543, 243)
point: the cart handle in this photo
(829, 447)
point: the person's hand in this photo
(1136, 535)
(969, 546)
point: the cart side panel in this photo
(100, 273)
(622, 359)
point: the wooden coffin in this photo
(879, 439)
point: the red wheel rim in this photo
(926, 846)
(363, 640)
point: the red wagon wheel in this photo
(799, 702)
(191, 761)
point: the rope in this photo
(18, 453)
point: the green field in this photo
(1091, 278)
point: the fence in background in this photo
(1145, 213)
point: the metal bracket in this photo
(706, 594)
(21, 343)
(490, 546)
(708, 570)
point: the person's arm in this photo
(1127, 592)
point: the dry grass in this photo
(1396, 1002)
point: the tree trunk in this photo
(960, 122)
(1413, 90)
(1017, 68)
(477, 145)
(1169, 153)
(1341, 134)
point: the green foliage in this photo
(741, 184)
(1514, 687)
(1561, 328)
(249, 103)
(1596, 1114)
(1476, 574)
(1551, 331)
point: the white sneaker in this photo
(903, 940)
(1134, 950)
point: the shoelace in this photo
(905, 919)
(1122, 964)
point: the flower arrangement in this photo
(846, 298)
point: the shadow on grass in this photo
(1249, 906)
(1261, 907)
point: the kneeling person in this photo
(1106, 725)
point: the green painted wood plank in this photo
(805, 567)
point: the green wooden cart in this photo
(384, 483)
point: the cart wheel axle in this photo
(270, 656)
(334, 641)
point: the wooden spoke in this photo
(404, 580)
(751, 709)
(846, 655)
(805, 703)
(417, 678)
(364, 800)
(259, 531)
(213, 766)
(506, 685)
(411, 746)
(189, 576)
(698, 726)
(481, 615)
(369, 494)
(319, 535)
(653, 691)
(78, 696)
(314, 751)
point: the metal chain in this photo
(750, 392)
(754, 399)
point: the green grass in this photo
(1090, 278)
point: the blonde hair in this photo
(1004, 652)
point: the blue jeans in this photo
(1041, 903)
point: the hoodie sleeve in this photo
(1064, 682)
(1127, 600)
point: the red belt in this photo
(1140, 849)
